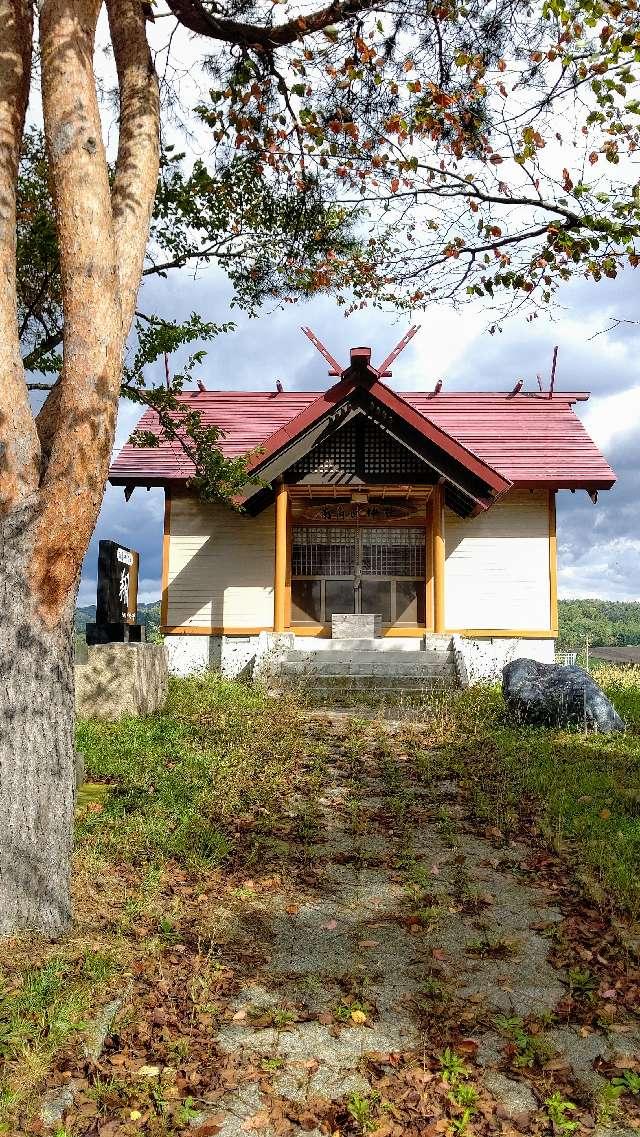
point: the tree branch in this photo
(193, 15)
(88, 390)
(138, 159)
(19, 447)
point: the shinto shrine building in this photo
(435, 511)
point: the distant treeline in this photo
(605, 622)
(148, 614)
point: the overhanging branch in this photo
(193, 15)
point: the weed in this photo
(608, 1103)
(557, 1109)
(582, 982)
(529, 1048)
(272, 1065)
(447, 827)
(459, 1124)
(179, 779)
(360, 1108)
(498, 947)
(432, 991)
(452, 1067)
(628, 1082)
(281, 1017)
(187, 1112)
(168, 934)
(179, 1049)
(464, 1095)
(343, 1013)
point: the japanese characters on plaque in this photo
(356, 511)
(117, 584)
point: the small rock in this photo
(515, 1098)
(100, 1028)
(55, 1104)
(545, 694)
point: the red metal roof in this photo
(527, 438)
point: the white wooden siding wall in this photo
(220, 567)
(497, 566)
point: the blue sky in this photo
(599, 546)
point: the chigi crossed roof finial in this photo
(382, 371)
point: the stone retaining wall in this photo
(121, 679)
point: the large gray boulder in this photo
(545, 694)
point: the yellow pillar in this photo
(553, 563)
(438, 558)
(280, 570)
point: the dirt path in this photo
(402, 982)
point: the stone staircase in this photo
(361, 672)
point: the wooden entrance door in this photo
(371, 569)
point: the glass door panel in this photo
(339, 597)
(375, 598)
(306, 601)
(410, 602)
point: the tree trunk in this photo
(37, 768)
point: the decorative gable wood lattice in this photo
(360, 451)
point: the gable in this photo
(359, 451)
(364, 431)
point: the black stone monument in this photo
(117, 605)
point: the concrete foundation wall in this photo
(482, 660)
(121, 679)
(234, 656)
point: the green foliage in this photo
(529, 1049)
(446, 138)
(37, 262)
(359, 1108)
(266, 240)
(628, 1082)
(557, 1109)
(606, 622)
(452, 1067)
(38, 1017)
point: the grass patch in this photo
(584, 789)
(179, 781)
(41, 1010)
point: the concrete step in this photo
(411, 645)
(337, 683)
(381, 659)
(378, 671)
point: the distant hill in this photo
(148, 614)
(606, 623)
